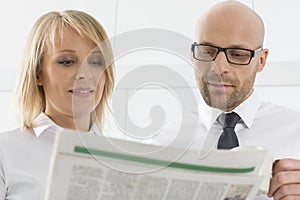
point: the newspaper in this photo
(92, 167)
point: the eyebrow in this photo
(73, 51)
(96, 52)
(66, 50)
(231, 46)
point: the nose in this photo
(84, 72)
(220, 64)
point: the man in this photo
(227, 54)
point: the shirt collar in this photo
(208, 115)
(246, 110)
(95, 130)
(42, 123)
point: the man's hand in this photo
(285, 184)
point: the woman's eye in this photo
(66, 62)
(96, 62)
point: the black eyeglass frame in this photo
(253, 53)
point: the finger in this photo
(285, 165)
(291, 191)
(294, 197)
(273, 166)
(283, 178)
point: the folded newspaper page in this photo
(92, 167)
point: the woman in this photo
(65, 82)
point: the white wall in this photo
(278, 83)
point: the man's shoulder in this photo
(278, 110)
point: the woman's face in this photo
(73, 79)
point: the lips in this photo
(81, 91)
(220, 85)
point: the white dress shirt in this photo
(25, 156)
(262, 124)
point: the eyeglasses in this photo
(236, 56)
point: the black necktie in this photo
(228, 138)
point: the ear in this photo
(262, 59)
(191, 55)
(39, 80)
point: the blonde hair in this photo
(30, 97)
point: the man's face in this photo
(224, 85)
(224, 90)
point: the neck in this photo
(244, 99)
(71, 122)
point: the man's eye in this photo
(66, 62)
(207, 51)
(238, 54)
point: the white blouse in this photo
(25, 156)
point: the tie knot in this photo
(231, 119)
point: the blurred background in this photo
(278, 83)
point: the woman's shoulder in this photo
(16, 132)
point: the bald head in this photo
(233, 22)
